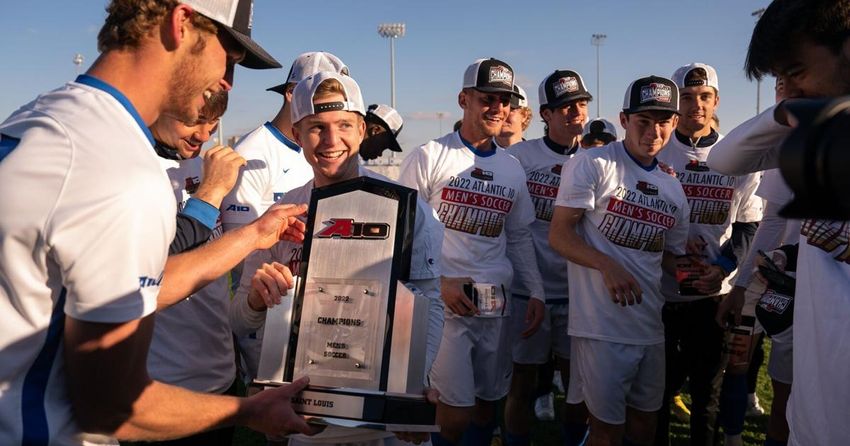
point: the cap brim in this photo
(394, 146)
(566, 99)
(650, 108)
(495, 90)
(255, 56)
(281, 89)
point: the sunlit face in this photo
(206, 67)
(483, 113)
(330, 141)
(567, 121)
(513, 124)
(186, 138)
(816, 71)
(647, 132)
(697, 106)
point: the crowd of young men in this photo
(623, 261)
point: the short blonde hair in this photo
(526, 118)
(330, 87)
(129, 21)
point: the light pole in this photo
(597, 40)
(440, 116)
(78, 61)
(392, 31)
(757, 14)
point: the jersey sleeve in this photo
(413, 173)
(750, 206)
(245, 202)
(579, 182)
(243, 319)
(751, 147)
(677, 236)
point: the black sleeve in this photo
(739, 243)
(190, 234)
(790, 256)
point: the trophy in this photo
(350, 324)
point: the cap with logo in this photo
(236, 17)
(519, 99)
(696, 75)
(599, 126)
(302, 96)
(308, 64)
(560, 87)
(651, 93)
(489, 76)
(388, 118)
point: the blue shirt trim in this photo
(281, 137)
(7, 144)
(726, 263)
(648, 168)
(33, 413)
(94, 82)
(477, 152)
(202, 211)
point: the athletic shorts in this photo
(779, 365)
(609, 376)
(550, 337)
(474, 360)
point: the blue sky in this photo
(443, 38)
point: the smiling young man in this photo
(563, 106)
(480, 196)
(694, 342)
(517, 121)
(618, 219)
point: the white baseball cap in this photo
(599, 126)
(309, 64)
(386, 116)
(236, 17)
(519, 98)
(302, 96)
(696, 75)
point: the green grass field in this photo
(548, 433)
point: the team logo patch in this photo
(556, 169)
(485, 175)
(655, 93)
(565, 85)
(774, 302)
(347, 228)
(697, 166)
(500, 74)
(647, 188)
(191, 184)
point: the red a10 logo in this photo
(348, 228)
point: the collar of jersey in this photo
(702, 142)
(648, 168)
(558, 148)
(477, 152)
(281, 137)
(94, 82)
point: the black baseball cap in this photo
(235, 17)
(560, 87)
(489, 76)
(651, 93)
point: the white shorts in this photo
(474, 360)
(551, 337)
(609, 376)
(780, 363)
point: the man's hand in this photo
(731, 305)
(221, 169)
(696, 246)
(711, 280)
(433, 397)
(666, 168)
(270, 411)
(451, 290)
(270, 282)
(622, 286)
(280, 222)
(533, 317)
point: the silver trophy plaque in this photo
(351, 325)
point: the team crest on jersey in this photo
(481, 174)
(500, 74)
(556, 169)
(565, 85)
(191, 184)
(697, 166)
(347, 228)
(656, 93)
(647, 188)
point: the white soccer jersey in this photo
(543, 168)
(716, 201)
(275, 165)
(633, 214)
(192, 346)
(480, 200)
(79, 237)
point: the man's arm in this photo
(752, 146)
(520, 249)
(566, 241)
(112, 393)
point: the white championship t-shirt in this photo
(192, 346)
(632, 214)
(478, 196)
(85, 223)
(716, 201)
(543, 168)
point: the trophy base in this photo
(363, 409)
